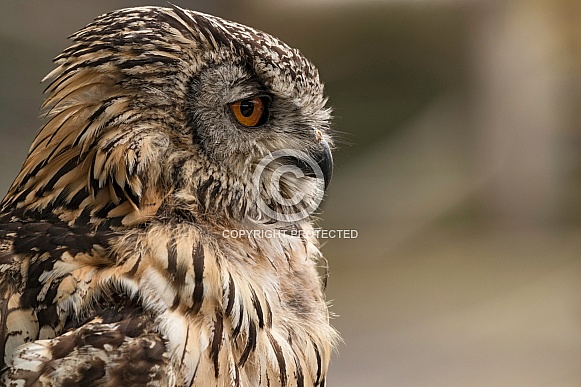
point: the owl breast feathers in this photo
(166, 131)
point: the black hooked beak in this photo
(325, 160)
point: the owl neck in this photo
(248, 297)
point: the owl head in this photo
(167, 113)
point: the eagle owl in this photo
(119, 264)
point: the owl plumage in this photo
(114, 265)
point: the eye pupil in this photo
(247, 107)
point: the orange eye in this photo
(250, 112)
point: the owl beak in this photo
(325, 161)
(322, 156)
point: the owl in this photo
(160, 231)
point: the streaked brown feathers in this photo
(114, 265)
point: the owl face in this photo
(236, 120)
(249, 103)
(158, 111)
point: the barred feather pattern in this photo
(114, 268)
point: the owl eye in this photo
(251, 112)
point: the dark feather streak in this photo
(217, 342)
(257, 307)
(231, 295)
(198, 259)
(279, 358)
(250, 344)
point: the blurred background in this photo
(459, 165)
